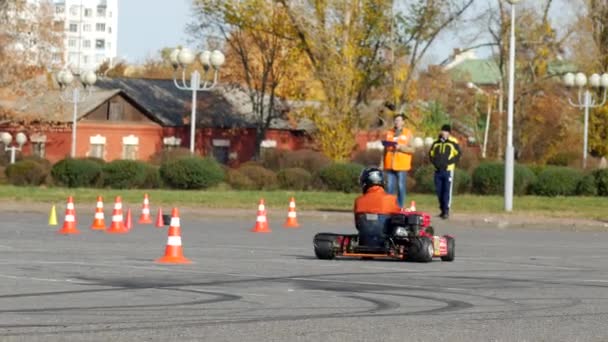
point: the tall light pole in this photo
(65, 79)
(509, 152)
(472, 85)
(181, 58)
(7, 138)
(585, 100)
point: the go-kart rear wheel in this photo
(451, 245)
(324, 249)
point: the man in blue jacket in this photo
(444, 154)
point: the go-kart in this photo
(405, 236)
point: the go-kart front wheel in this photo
(451, 245)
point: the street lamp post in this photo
(65, 79)
(181, 58)
(472, 85)
(7, 138)
(585, 100)
(509, 151)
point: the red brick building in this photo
(137, 118)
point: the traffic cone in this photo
(159, 218)
(261, 224)
(98, 221)
(413, 206)
(69, 223)
(117, 226)
(292, 221)
(53, 217)
(145, 211)
(129, 223)
(173, 251)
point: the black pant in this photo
(443, 187)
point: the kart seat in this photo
(372, 229)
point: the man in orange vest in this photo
(398, 158)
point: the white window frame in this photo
(97, 141)
(38, 145)
(130, 146)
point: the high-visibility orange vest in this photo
(396, 160)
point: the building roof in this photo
(222, 107)
(160, 100)
(50, 107)
(469, 68)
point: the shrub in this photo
(537, 168)
(76, 173)
(586, 186)
(369, 158)
(563, 158)
(424, 177)
(294, 179)
(342, 176)
(238, 180)
(601, 181)
(124, 174)
(488, 179)
(425, 180)
(310, 160)
(3, 179)
(152, 179)
(262, 178)
(191, 173)
(26, 172)
(165, 156)
(272, 158)
(557, 181)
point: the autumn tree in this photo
(590, 50)
(343, 41)
(29, 40)
(538, 95)
(417, 25)
(260, 56)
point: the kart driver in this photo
(373, 208)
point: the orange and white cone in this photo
(159, 218)
(128, 222)
(117, 226)
(173, 251)
(98, 221)
(413, 206)
(261, 222)
(69, 222)
(145, 211)
(292, 221)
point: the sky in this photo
(146, 26)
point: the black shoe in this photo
(444, 216)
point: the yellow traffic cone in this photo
(53, 217)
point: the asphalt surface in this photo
(505, 285)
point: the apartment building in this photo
(91, 31)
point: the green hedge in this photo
(294, 179)
(152, 179)
(75, 173)
(191, 173)
(238, 180)
(488, 179)
(262, 178)
(587, 186)
(342, 177)
(425, 180)
(557, 181)
(601, 181)
(27, 172)
(124, 174)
